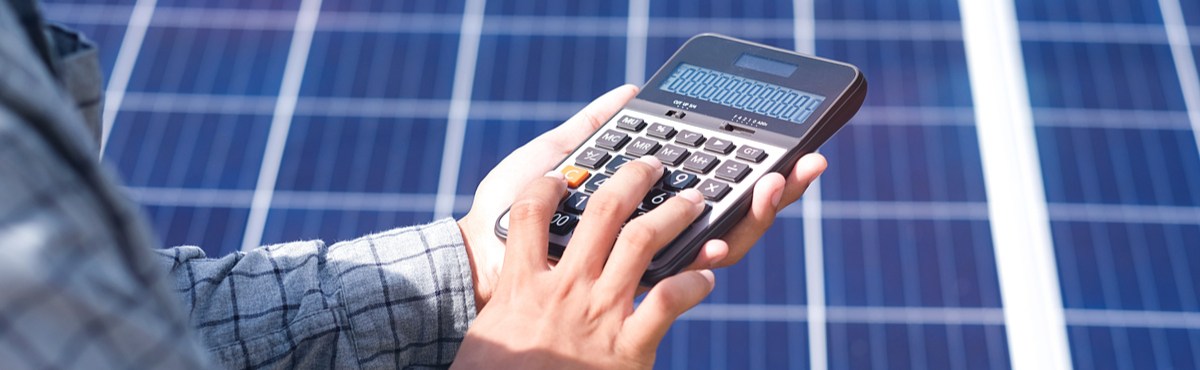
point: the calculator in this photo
(720, 114)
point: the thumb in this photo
(665, 302)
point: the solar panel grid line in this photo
(1185, 61)
(281, 122)
(1017, 205)
(804, 36)
(460, 106)
(637, 27)
(127, 55)
(903, 315)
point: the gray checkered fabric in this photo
(82, 284)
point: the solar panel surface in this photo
(905, 275)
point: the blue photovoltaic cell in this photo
(216, 230)
(1102, 76)
(211, 61)
(591, 8)
(907, 73)
(1142, 166)
(1086, 11)
(909, 263)
(381, 65)
(1103, 348)
(734, 344)
(395, 6)
(238, 4)
(771, 273)
(722, 9)
(1129, 266)
(486, 142)
(333, 225)
(904, 163)
(911, 346)
(887, 10)
(189, 150)
(363, 154)
(548, 68)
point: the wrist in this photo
(480, 279)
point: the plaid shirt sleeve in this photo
(396, 299)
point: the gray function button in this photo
(719, 145)
(714, 190)
(689, 138)
(671, 155)
(661, 131)
(752, 154)
(642, 146)
(700, 163)
(592, 158)
(733, 171)
(630, 123)
(612, 140)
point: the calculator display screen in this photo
(741, 93)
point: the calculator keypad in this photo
(713, 162)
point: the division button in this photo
(752, 154)
(689, 138)
(575, 175)
(592, 158)
(700, 163)
(733, 171)
(612, 140)
(642, 146)
(671, 155)
(718, 145)
(713, 190)
(661, 131)
(631, 123)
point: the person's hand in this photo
(501, 186)
(580, 314)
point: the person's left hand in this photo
(502, 185)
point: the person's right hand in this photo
(580, 314)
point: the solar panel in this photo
(905, 273)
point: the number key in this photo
(576, 203)
(595, 183)
(562, 223)
(616, 164)
(654, 199)
(679, 180)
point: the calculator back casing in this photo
(842, 85)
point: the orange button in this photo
(575, 175)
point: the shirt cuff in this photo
(406, 293)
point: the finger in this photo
(760, 217)
(606, 211)
(574, 131)
(665, 302)
(528, 224)
(803, 173)
(641, 238)
(710, 256)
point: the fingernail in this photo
(776, 198)
(652, 161)
(692, 195)
(708, 275)
(555, 175)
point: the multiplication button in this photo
(713, 190)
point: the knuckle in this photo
(639, 234)
(606, 206)
(527, 208)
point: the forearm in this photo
(403, 296)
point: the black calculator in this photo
(720, 114)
